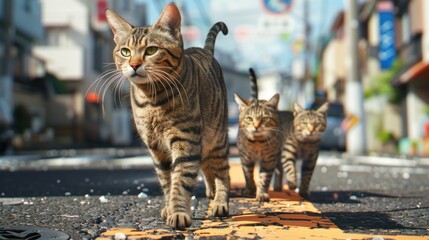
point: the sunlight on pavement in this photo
(286, 215)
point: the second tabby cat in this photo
(276, 139)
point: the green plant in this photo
(381, 84)
(385, 136)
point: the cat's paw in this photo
(220, 210)
(179, 220)
(165, 213)
(263, 197)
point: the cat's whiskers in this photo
(117, 90)
(115, 78)
(121, 84)
(98, 80)
(152, 86)
(170, 80)
(163, 85)
(104, 82)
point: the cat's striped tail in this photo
(211, 36)
(253, 84)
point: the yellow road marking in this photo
(287, 215)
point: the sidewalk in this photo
(347, 202)
(287, 215)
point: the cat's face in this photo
(258, 119)
(309, 124)
(148, 54)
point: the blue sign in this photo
(277, 6)
(386, 47)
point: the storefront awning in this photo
(416, 71)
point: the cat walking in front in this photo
(179, 106)
(275, 139)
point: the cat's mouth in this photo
(258, 134)
(311, 136)
(138, 78)
(136, 75)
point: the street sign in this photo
(386, 47)
(275, 25)
(277, 6)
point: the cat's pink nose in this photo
(256, 124)
(135, 66)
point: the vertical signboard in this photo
(386, 48)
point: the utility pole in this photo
(356, 140)
(307, 87)
(6, 81)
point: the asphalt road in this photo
(86, 195)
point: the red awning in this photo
(419, 69)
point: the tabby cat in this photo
(260, 139)
(303, 131)
(275, 139)
(179, 106)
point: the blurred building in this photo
(394, 58)
(21, 70)
(412, 18)
(56, 53)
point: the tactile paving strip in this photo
(287, 215)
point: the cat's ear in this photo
(274, 101)
(297, 108)
(242, 103)
(170, 19)
(118, 25)
(324, 108)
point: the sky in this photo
(249, 42)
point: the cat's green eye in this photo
(151, 50)
(266, 119)
(248, 119)
(125, 52)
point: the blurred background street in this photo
(368, 58)
(71, 160)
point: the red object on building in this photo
(93, 97)
(101, 10)
(426, 128)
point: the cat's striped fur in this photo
(276, 139)
(259, 139)
(179, 106)
(303, 131)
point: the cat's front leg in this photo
(307, 170)
(266, 170)
(163, 169)
(248, 167)
(288, 162)
(186, 163)
(278, 177)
